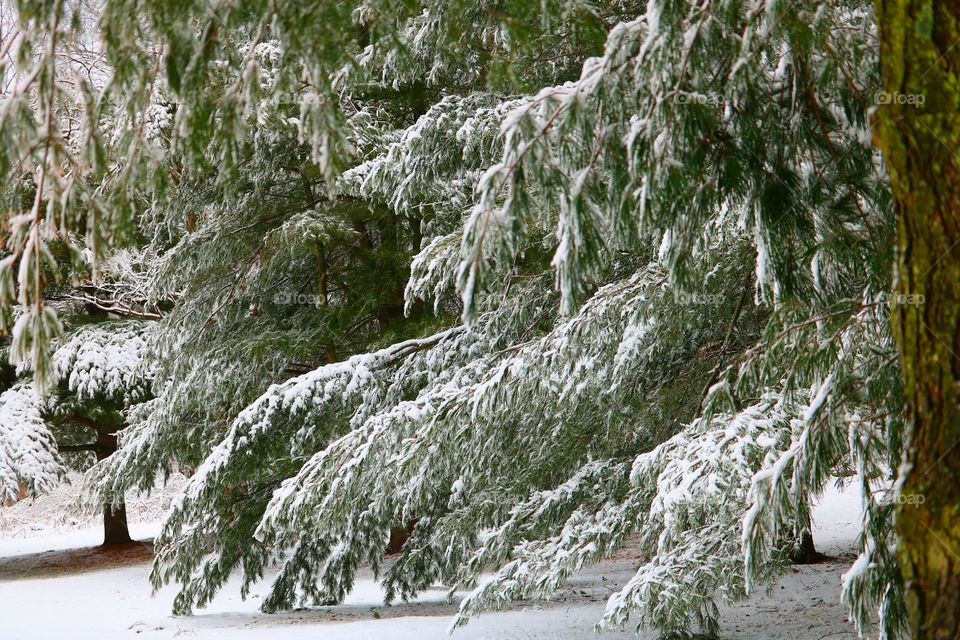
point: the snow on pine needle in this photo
(655, 236)
(28, 450)
(105, 361)
(101, 362)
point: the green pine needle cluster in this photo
(525, 278)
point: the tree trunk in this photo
(806, 552)
(917, 126)
(115, 530)
(399, 536)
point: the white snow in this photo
(106, 360)
(116, 603)
(28, 452)
(837, 519)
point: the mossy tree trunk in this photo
(917, 126)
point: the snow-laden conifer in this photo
(657, 244)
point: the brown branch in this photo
(747, 286)
(77, 448)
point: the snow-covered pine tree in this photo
(260, 276)
(813, 222)
(672, 265)
(100, 373)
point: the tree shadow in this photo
(64, 562)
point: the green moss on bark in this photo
(917, 126)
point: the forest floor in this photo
(55, 583)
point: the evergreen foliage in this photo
(100, 372)
(29, 451)
(526, 277)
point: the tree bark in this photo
(399, 537)
(806, 552)
(917, 126)
(115, 530)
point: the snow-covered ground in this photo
(48, 594)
